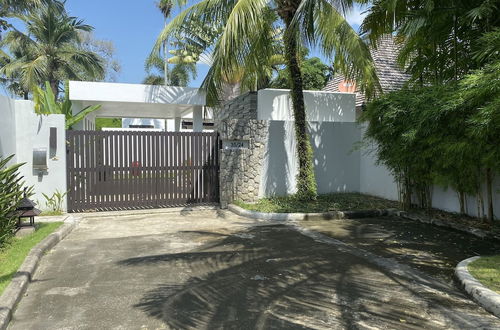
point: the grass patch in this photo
(13, 253)
(487, 271)
(101, 123)
(324, 203)
(51, 213)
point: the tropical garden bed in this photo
(324, 203)
(15, 250)
(462, 219)
(360, 202)
(487, 271)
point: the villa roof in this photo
(391, 76)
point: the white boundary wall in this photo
(331, 125)
(378, 181)
(339, 167)
(21, 130)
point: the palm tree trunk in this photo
(489, 192)
(54, 85)
(165, 51)
(306, 182)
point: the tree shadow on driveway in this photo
(272, 277)
(433, 250)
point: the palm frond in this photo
(324, 25)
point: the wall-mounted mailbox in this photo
(40, 159)
(53, 142)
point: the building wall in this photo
(377, 180)
(336, 163)
(27, 131)
(276, 104)
(270, 164)
(8, 130)
(268, 167)
(374, 179)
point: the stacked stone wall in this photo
(240, 169)
(242, 107)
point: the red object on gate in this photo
(136, 171)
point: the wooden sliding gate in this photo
(116, 170)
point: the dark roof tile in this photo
(390, 75)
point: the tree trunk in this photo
(26, 95)
(230, 91)
(407, 193)
(54, 85)
(489, 192)
(461, 200)
(480, 204)
(306, 182)
(165, 51)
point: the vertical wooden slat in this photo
(156, 177)
(81, 172)
(132, 196)
(70, 170)
(88, 161)
(113, 169)
(179, 166)
(199, 166)
(185, 184)
(171, 172)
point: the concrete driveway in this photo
(214, 270)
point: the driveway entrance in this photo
(213, 270)
(117, 170)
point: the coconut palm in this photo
(246, 43)
(50, 49)
(10, 8)
(13, 82)
(186, 53)
(165, 7)
(180, 75)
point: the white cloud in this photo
(356, 15)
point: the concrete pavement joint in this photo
(485, 297)
(17, 287)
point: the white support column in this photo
(177, 124)
(198, 119)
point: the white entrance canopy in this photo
(137, 101)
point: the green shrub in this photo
(54, 203)
(11, 192)
(445, 135)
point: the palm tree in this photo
(186, 53)
(50, 49)
(10, 8)
(249, 32)
(180, 75)
(165, 7)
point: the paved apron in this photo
(212, 270)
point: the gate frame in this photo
(167, 161)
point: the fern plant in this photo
(11, 193)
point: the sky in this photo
(133, 25)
